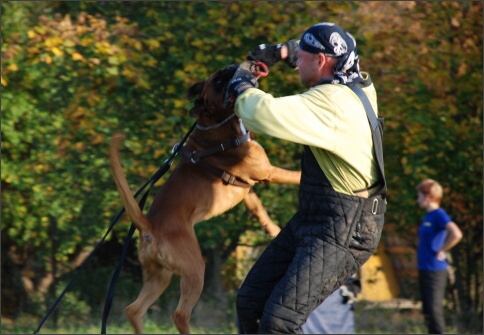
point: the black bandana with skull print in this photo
(331, 40)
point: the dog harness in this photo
(196, 157)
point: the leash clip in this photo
(175, 148)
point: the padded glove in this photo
(291, 58)
(270, 54)
(243, 76)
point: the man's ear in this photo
(322, 60)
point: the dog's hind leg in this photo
(255, 207)
(191, 287)
(191, 281)
(155, 280)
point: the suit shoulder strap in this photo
(376, 125)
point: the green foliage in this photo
(73, 73)
(430, 89)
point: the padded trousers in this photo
(310, 258)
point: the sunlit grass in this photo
(374, 320)
(379, 320)
(28, 326)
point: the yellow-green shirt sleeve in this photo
(329, 118)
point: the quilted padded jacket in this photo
(324, 244)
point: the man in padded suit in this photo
(342, 193)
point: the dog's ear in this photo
(195, 89)
(227, 73)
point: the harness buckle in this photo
(194, 158)
(374, 206)
(227, 178)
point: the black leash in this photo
(153, 179)
(112, 286)
(110, 295)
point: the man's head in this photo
(327, 38)
(327, 51)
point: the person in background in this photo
(437, 234)
(342, 194)
(336, 315)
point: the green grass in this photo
(367, 322)
(388, 321)
(379, 320)
(28, 326)
(376, 320)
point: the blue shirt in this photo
(431, 236)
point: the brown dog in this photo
(219, 165)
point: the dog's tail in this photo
(129, 202)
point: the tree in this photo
(76, 72)
(64, 83)
(427, 64)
